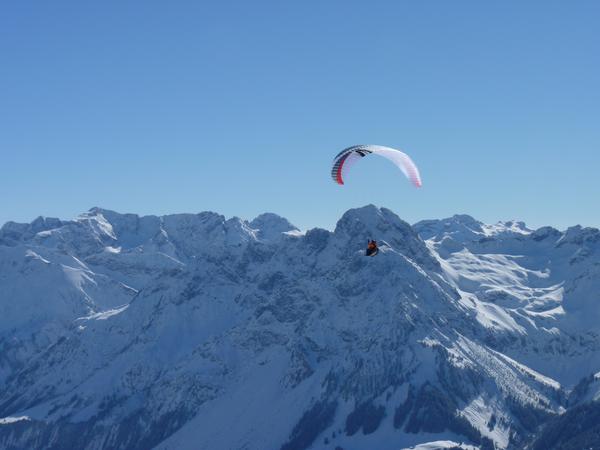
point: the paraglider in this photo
(349, 156)
(372, 248)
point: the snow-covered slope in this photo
(197, 331)
(543, 284)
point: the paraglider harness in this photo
(372, 249)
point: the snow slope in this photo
(543, 285)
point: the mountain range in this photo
(194, 331)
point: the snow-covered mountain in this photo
(197, 331)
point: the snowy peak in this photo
(511, 227)
(542, 283)
(271, 226)
(579, 235)
(370, 222)
(45, 223)
(546, 234)
(464, 228)
(12, 232)
(128, 230)
(99, 225)
(357, 226)
(183, 235)
(460, 226)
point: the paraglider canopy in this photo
(347, 157)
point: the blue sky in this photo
(239, 107)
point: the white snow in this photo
(9, 420)
(510, 227)
(31, 254)
(480, 412)
(294, 233)
(103, 315)
(439, 445)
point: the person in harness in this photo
(372, 249)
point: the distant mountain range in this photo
(193, 331)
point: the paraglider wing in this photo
(347, 157)
(345, 160)
(402, 160)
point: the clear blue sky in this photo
(239, 107)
